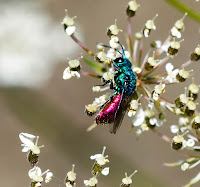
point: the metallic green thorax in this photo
(124, 79)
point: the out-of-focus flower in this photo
(70, 178)
(100, 161)
(127, 181)
(28, 143)
(92, 182)
(36, 176)
(32, 43)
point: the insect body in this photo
(114, 109)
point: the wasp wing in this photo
(119, 116)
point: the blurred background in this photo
(35, 99)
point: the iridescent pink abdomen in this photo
(107, 115)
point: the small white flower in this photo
(133, 5)
(100, 100)
(105, 171)
(159, 88)
(28, 144)
(100, 158)
(114, 42)
(139, 117)
(150, 24)
(36, 174)
(91, 182)
(137, 70)
(108, 76)
(138, 35)
(174, 129)
(67, 74)
(172, 73)
(48, 177)
(73, 64)
(183, 121)
(67, 20)
(114, 29)
(71, 175)
(112, 54)
(70, 30)
(193, 88)
(96, 88)
(191, 105)
(68, 184)
(175, 32)
(69, 24)
(185, 166)
(190, 143)
(127, 180)
(197, 50)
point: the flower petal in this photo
(139, 117)
(105, 171)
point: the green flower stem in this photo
(184, 8)
(130, 39)
(97, 67)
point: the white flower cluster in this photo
(98, 168)
(33, 150)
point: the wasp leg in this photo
(105, 83)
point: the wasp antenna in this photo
(122, 48)
(112, 48)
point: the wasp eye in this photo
(119, 60)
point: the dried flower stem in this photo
(89, 74)
(82, 45)
(186, 64)
(160, 51)
(164, 137)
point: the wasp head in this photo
(122, 61)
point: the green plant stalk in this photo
(184, 8)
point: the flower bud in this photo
(91, 109)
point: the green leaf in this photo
(184, 8)
(193, 181)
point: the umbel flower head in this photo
(137, 85)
